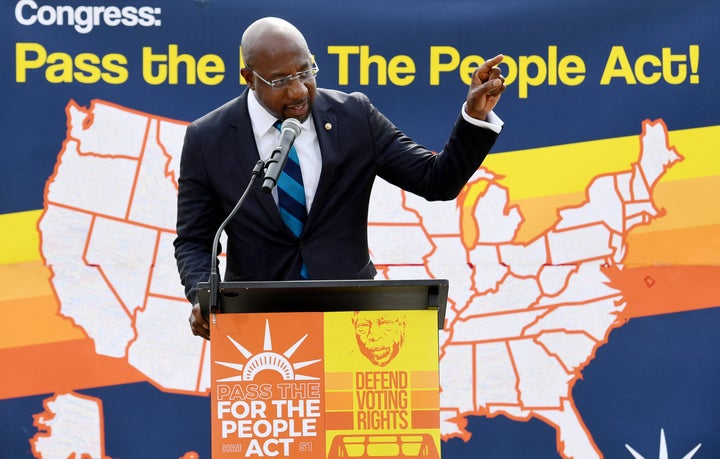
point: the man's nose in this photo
(374, 331)
(296, 88)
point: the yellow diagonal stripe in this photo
(20, 241)
(569, 168)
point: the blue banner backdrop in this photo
(577, 73)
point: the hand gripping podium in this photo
(326, 369)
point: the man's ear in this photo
(249, 77)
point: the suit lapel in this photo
(326, 128)
(245, 151)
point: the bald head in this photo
(268, 37)
(275, 50)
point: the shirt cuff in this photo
(494, 123)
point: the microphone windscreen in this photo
(292, 124)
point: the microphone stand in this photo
(214, 278)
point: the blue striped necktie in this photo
(291, 196)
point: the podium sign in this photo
(340, 384)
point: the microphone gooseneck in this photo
(214, 278)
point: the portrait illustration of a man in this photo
(379, 335)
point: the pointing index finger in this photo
(483, 72)
(490, 63)
(494, 61)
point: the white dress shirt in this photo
(306, 144)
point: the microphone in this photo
(289, 130)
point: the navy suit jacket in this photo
(357, 143)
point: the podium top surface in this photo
(329, 295)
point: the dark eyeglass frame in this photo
(284, 82)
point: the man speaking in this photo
(313, 224)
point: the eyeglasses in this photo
(284, 82)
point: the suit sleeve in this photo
(198, 216)
(413, 167)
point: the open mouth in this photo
(380, 353)
(297, 110)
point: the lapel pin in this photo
(328, 126)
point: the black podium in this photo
(328, 295)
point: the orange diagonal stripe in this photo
(424, 380)
(425, 399)
(338, 381)
(338, 401)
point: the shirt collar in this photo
(260, 118)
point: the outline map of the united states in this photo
(523, 318)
